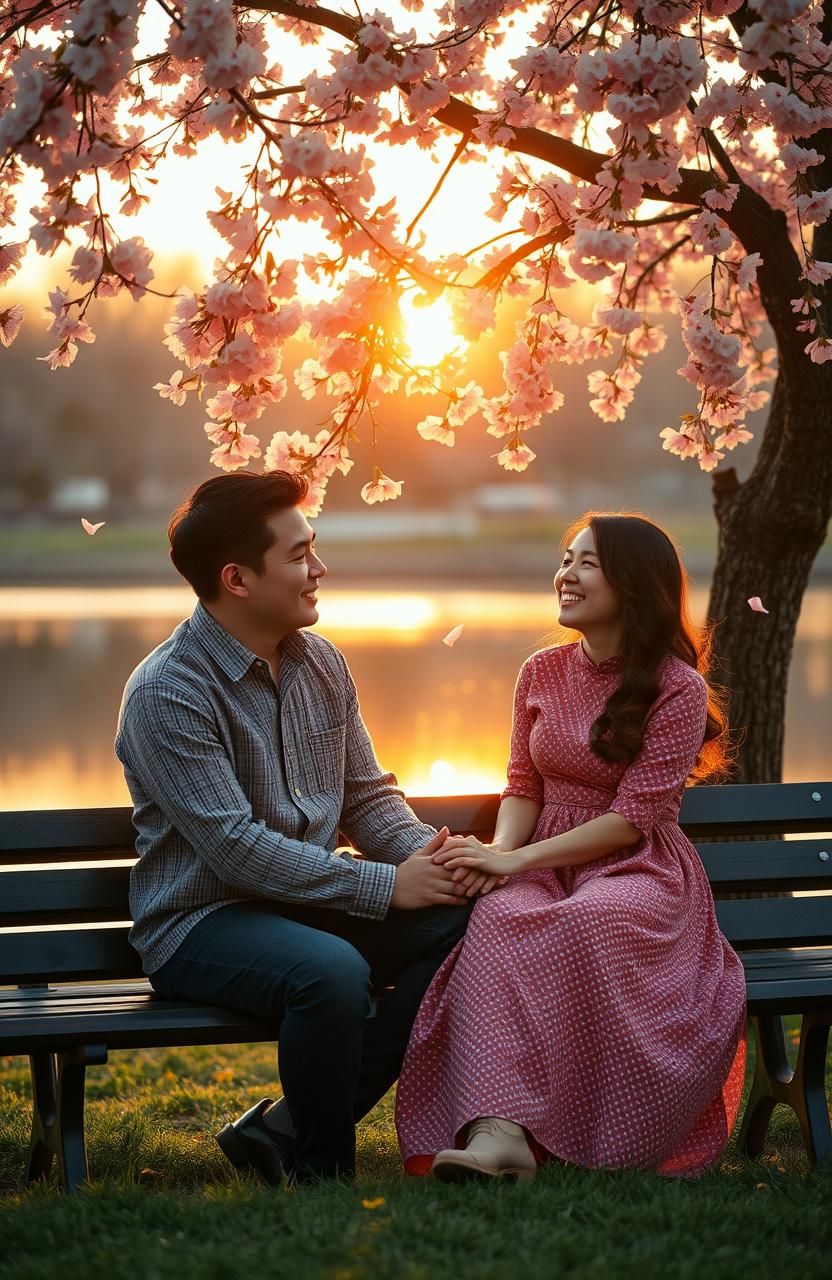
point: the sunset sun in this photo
(428, 331)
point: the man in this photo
(245, 753)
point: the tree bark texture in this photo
(771, 527)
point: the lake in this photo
(439, 717)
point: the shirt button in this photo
(298, 791)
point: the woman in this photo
(593, 1012)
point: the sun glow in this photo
(429, 331)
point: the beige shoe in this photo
(496, 1148)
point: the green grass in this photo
(163, 1202)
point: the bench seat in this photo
(132, 1016)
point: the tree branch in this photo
(495, 276)
(752, 219)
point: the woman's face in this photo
(586, 600)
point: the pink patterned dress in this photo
(598, 1005)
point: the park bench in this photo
(73, 991)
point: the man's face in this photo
(284, 597)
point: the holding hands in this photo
(476, 867)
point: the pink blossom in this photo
(438, 429)
(286, 451)
(815, 207)
(647, 340)
(234, 449)
(11, 256)
(381, 488)
(747, 274)
(464, 404)
(131, 260)
(817, 272)
(732, 437)
(680, 443)
(86, 265)
(722, 197)
(227, 300)
(516, 456)
(307, 155)
(798, 159)
(172, 390)
(710, 233)
(10, 321)
(820, 350)
(621, 320)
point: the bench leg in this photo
(44, 1110)
(809, 1089)
(58, 1113)
(802, 1089)
(772, 1071)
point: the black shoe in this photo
(249, 1143)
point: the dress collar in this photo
(609, 666)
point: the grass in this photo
(163, 1202)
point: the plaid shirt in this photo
(240, 787)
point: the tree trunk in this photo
(770, 530)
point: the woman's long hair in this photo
(642, 565)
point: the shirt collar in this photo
(229, 652)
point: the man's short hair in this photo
(224, 522)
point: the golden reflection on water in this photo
(440, 718)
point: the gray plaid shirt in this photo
(240, 787)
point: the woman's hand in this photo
(473, 862)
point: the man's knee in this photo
(336, 982)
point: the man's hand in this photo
(421, 882)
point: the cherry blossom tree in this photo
(635, 143)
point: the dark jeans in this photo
(313, 971)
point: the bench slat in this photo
(84, 894)
(757, 809)
(746, 866)
(67, 955)
(126, 1023)
(771, 922)
(83, 830)
(27, 835)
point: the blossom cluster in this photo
(719, 120)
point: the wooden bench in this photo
(73, 991)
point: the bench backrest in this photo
(64, 874)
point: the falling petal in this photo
(373, 1204)
(757, 605)
(453, 635)
(92, 528)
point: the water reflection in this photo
(439, 717)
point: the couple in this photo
(562, 993)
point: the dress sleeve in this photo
(673, 737)
(523, 777)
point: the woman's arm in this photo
(586, 843)
(516, 821)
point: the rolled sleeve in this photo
(186, 772)
(523, 777)
(673, 737)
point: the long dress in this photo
(599, 1005)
